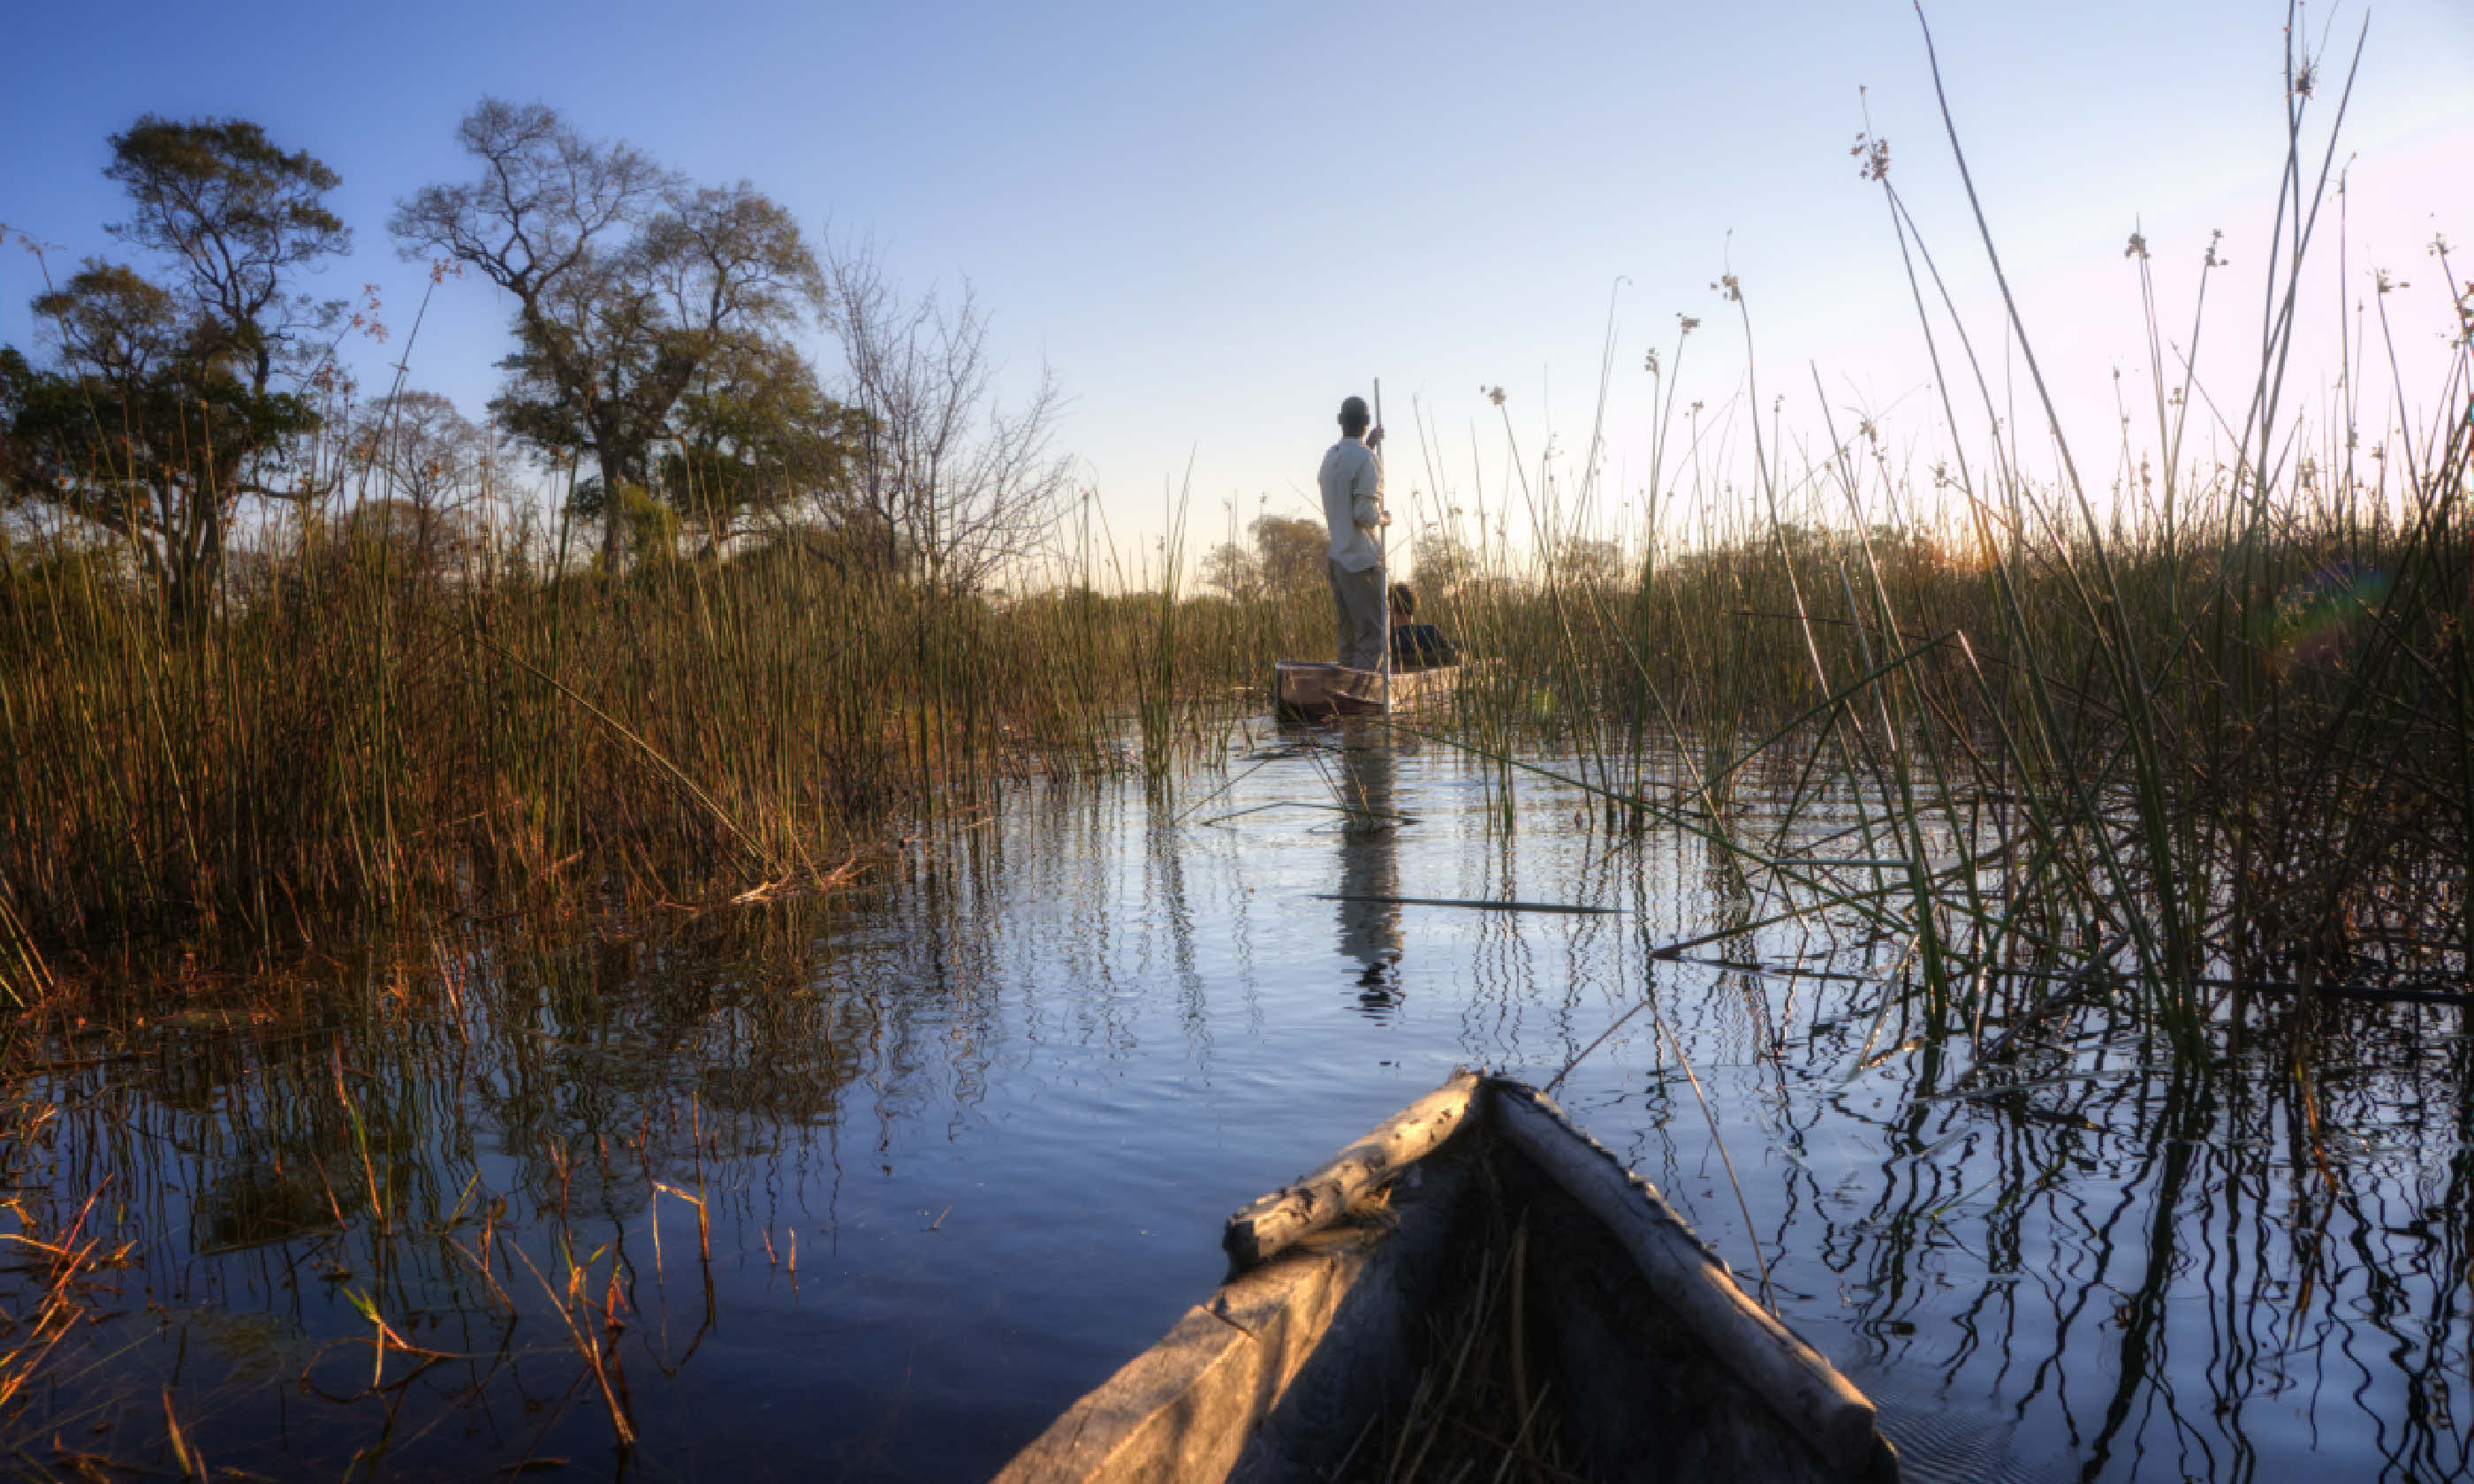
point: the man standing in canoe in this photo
(1352, 507)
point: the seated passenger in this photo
(1415, 646)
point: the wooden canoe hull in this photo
(1667, 1369)
(1310, 690)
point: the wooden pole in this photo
(1383, 558)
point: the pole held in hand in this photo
(1383, 555)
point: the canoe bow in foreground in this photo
(1663, 1367)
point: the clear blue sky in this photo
(1214, 220)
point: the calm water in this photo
(963, 1140)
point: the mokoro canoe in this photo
(1658, 1365)
(1312, 690)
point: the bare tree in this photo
(956, 485)
(429, 471)
(625, 282)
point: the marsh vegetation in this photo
(450, 932)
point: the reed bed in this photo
(2228, 751)
(351, 735)
(2204, 736)
(2173, 747)
(2193, 753)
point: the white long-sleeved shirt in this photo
(1353, 503)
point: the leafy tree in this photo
(1591, 561)
(652, 527)
(756, 436)
(1295, 552)
(173, 399)
(1444, 563)
(626, 282)
(1232, 569)
(240, 219)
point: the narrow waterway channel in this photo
(872, 1187)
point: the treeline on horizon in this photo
(279, 645)
(2221, 730)
(654, 369)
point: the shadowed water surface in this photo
(873, 1187)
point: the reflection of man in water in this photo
(1369, 866)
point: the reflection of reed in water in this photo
(491, 1165)
(2254, 1272)
(1369, 867)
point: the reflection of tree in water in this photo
(637, 1045)
(426, 1137)
(1369, 867)
(582, 1067)
(2152, 1276)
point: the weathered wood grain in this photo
(1317, 1333)
(1312, 688)
(1800, 1386)
(1185, 1409)
(1262, 1228)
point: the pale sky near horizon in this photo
(1214, 222)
